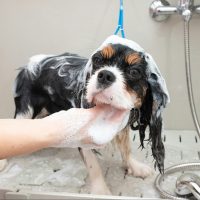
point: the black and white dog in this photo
(119, 73)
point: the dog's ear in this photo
(151, 116)
(159, 99)
(150, 113)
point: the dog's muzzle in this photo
(105, 78)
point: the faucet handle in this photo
(160, 10)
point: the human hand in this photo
(87, 128)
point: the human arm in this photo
(21, 136)
(86, 128)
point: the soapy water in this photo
(91, 128)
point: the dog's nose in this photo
(106, 77)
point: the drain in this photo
(180, 138)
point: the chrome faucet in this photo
(160, 10)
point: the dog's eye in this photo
(135, 73)
(97, 59)
(97, 62)
(96, 66)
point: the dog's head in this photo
(124, 76)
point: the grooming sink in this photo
(61, 174)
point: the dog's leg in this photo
(133, 166)
(98, 185)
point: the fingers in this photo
(87, 128)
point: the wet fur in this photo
(59, 83)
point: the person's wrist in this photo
(46, 132)
(53, 131)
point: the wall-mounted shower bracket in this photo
(160, 10)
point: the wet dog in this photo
(120, 74)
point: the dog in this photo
(119, 73)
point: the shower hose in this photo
(186, 166)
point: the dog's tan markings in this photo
(123, 142)
(107, 52)
(133, 166)
(138, 103)
(137, 99)
(133, 58)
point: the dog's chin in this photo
(103, 100)
(110, 112)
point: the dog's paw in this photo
(3, 164)
(100, 189)
(138, 169)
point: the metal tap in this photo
(161, 10)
